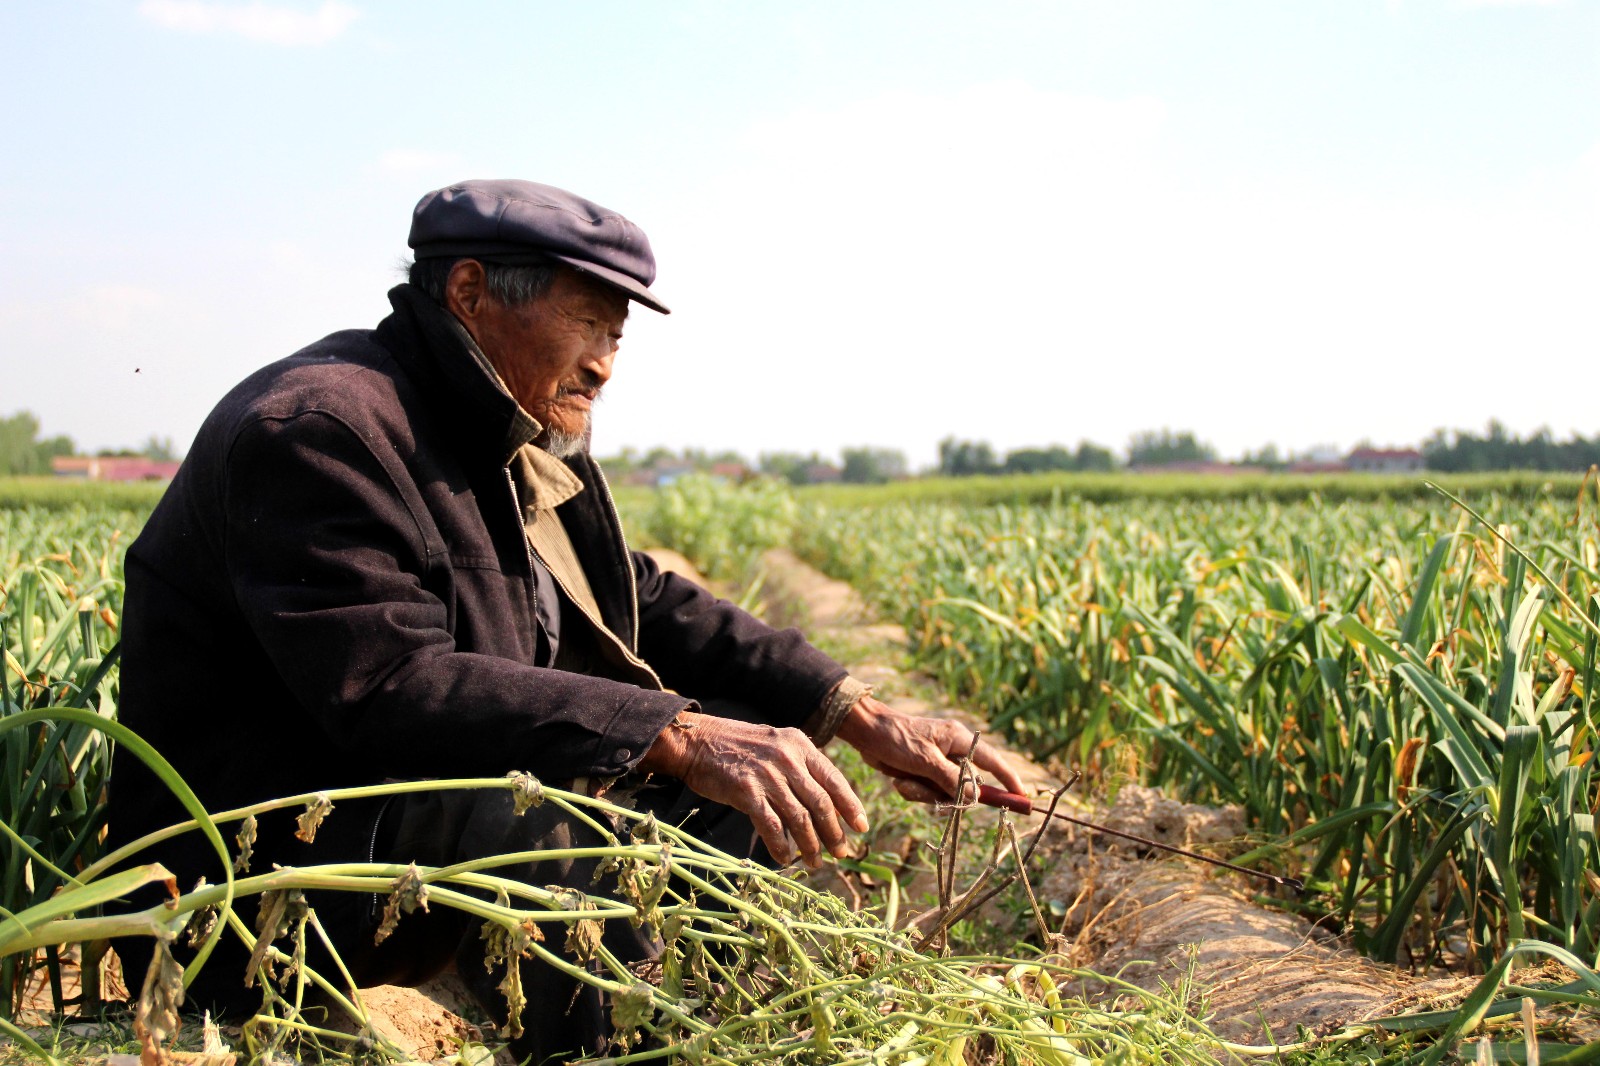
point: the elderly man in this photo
(389, 556)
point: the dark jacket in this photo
(336, 589)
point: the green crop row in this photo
(1387, 683)
(55, 493)
(60, 604)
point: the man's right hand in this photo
(787, 787)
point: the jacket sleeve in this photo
(330, 565)
(708, 648)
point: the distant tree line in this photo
(964, 458)
(21, 450)
(1161, 447)
(631, 459)
(1462, 451)
(23, 453)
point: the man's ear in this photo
(465, 290)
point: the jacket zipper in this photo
(372, 853)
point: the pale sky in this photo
(1308, 222)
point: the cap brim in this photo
(617, 279)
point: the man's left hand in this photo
(907, 747)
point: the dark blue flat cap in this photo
(511, 221)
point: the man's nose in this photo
(601, 358)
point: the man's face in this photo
(555, 353)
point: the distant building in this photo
(822, 474)
(1384, 460)
(730, 471)
(113, 468)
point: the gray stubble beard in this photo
(564, 445)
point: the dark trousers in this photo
(564, 1017)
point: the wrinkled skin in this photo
(907, 747)
(787, 787)
(797, 799)
(554, 354)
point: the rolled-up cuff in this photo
(825, 721)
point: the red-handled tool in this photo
(991, 796)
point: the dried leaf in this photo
(156, 1020)
(609, 865)
(201, 922)
(630, 1009)
(672, 973)
(1405, 767)
(646, 831)
(212, 1045)
(507, 946)
(510, 986)
(583, 934)
(407, 894)
(644, 883)
(278, 910)
(316, 810)
(583, 939)
(247, 845)
(511, 941)
(526, 791)
(200, 925)
(297, 959)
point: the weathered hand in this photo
(905, 746)
(776, 776)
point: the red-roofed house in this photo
(1384, 460)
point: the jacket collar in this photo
(543, 481)
(436, 349)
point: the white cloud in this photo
(1513, 3)
(266, 23)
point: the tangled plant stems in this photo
(756, 966)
